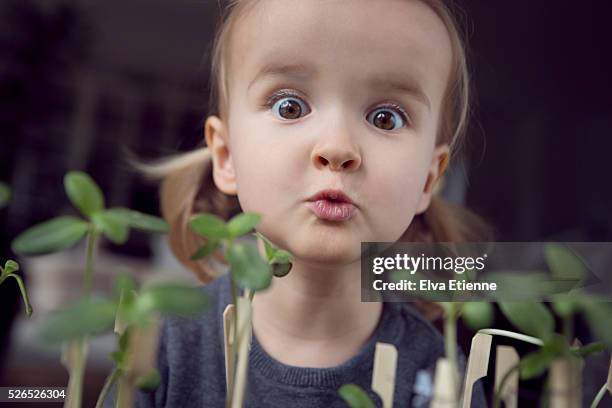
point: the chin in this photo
(324, 252)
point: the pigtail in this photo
(447, 222)
(188, 188)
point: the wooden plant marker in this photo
(565, 381)
(70, 352)
(477, 365)
(444, 394)
(228, 331)
(245, 331)
(142, 346)
(383, 376)
(506, 359)
(142, 351)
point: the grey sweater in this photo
(192, 368)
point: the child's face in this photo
(317, 98)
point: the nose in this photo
(336, 150)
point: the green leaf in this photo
(590, 348)
(248, 269)
(84, 193)
(477, 315)
(355, 396)
(281, 263)
(535, 363)
(242, 223)
(531, 318)
(149, 381)
(281, 256)
(520, 285)
(564, 305)
(113, 226)
(171, 299)
(280, 270)
(598, 316)
(140, 221)
(10, 266)
(5, 194)
(205, 250)
(564, 263)
(90, 316)
(50, 236)
(209, 226)
(117, 357)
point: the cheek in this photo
(266, 172)
(396, 195)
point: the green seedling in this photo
(247, 268)
(535, 319)
(64, 232)
(10, 267)
(355, 396)
(134, 310)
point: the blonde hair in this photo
(188, 188)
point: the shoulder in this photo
(416, 337)
(181, 331)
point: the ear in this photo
(439, 163)
(224, 174)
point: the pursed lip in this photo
(332, 195)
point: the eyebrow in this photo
(390, 84)
(386, 83)
(294, 70)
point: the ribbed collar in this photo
(387, 331)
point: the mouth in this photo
(332, 205)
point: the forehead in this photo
(344, 40)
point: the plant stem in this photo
(251, 295)
(502, 383)
(91, 243)
(599, 396)
(450, 345)
(24, 293)
(108, 384)
(78, 369)
(513, 335)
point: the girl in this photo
(315, 101)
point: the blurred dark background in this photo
(83, 81)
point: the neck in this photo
(314, 316)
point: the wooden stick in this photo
(565, 381)
(478, 364)
(244, 338)
(142, 346)
(383, 376)
(74, 353)
(444, 394)
(506, 359)
(228, 330)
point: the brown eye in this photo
(289, 108)
(387, 118)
